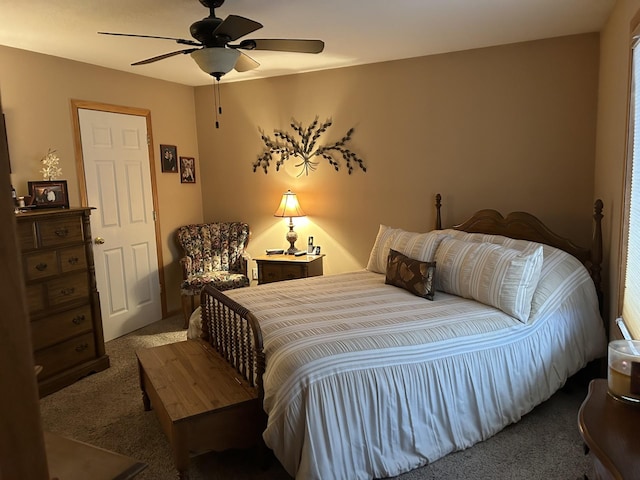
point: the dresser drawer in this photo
(271, 273)
(65, 355)
(291, 272)
(275, 268)
(67, 289)
(276, 272)
(35, 297)
(72, 258)
(59, 231)
(26, 235)
(57, 328)
(41, 265)
(50, 263)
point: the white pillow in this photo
(492, 274)
(380, 251)
(418, 246)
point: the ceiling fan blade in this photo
(235, 27)
(245, 63)
(162, 57)
(181, 41)
(282, 45)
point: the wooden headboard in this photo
(524, 226)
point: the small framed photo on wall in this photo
(187, 170)
(169, 158)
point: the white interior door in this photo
(118, 181)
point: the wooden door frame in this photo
(82, 184)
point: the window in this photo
(631, 220)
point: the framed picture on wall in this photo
(187, 170)
(169, 158)
(49, 194)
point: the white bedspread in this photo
(365, 380)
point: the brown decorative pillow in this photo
(412, 275)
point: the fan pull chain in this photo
(216, 98)
(219, 99)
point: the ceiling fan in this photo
(212, 49)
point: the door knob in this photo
(99, 240)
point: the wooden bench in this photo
(202, 403)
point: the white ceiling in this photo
(354, 31)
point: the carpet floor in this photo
(105, 409)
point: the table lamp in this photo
(289, 207)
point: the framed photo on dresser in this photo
(49, 194)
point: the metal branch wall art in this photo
(307, 149)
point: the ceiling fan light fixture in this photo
(216, 61)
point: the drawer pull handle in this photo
(82, 347)
(41, 267)
(73, 260)
(79, 319)
(62, 232)
(67, 291)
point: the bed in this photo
(362, 375)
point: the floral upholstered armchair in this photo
(214, 253)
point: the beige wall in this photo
(611, 137)
(36, 98)
(509, 127)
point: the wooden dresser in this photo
(63, 302)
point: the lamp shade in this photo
(289, 206)
(216, 61)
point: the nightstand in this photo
(610, 429)
(275, 268)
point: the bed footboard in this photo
(234, 333)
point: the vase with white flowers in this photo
(50, 166)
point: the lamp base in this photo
(291, 238)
